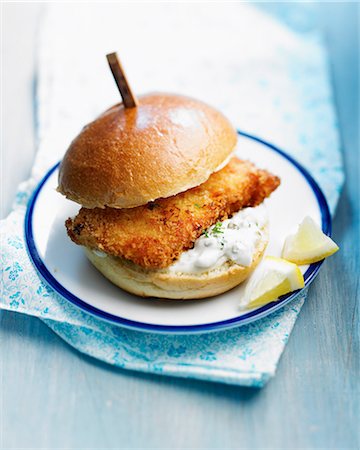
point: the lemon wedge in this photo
(271, 279)
(309, 244)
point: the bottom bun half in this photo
(168, 285)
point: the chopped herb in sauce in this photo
(205, 233)
(217, 229)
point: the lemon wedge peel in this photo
(309, 244)
(275, 277)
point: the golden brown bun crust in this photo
(165, 284)
(128, 157)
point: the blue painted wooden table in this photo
(54, 397)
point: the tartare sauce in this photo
(233, 239)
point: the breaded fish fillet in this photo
(155, 235)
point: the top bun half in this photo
(129, 157)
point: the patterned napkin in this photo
(269, 79)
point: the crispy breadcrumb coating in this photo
(154, 235)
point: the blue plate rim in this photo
(244, 319)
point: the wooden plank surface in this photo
(54, 397)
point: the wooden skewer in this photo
(127, 95)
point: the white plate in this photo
(63, 265)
